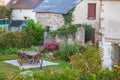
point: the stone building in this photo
(54, 20)
(49, 12)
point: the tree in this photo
(4, 12)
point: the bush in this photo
(89, 60)
(15, 39)
(51, 46)
(66, 50)
(67, 74)
(30, 35)
(35, 30)
(9, 51)
(4, 12)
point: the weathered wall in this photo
(79, 37)
(19, 14)
(81, 12)
(110, 17)
(53, 20)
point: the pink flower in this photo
(51, 46)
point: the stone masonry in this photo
(54, 20)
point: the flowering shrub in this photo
(51, 46)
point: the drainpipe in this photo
(100, 27)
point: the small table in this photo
(31, 57)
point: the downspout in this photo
(100, 36)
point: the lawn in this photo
(9, 69)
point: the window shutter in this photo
(92, 11)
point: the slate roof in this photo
(16, 23)
(23, 4)
(56, 6)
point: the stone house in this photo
(49, 12)
(23, 9)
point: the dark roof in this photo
(23, 4)
(16, 23)
(56, 6)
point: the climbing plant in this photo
(65, 31)
(88, 32)
(68, 16)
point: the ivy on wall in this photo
(68, 16)
(65, 31)
(70, 29)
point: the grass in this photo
(7, 57)
(9, 69)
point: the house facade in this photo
(23, 9)
(22, 14)
(104, 16)
(110, 28)
(87, 11)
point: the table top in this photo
(30, 53)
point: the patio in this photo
(27, 66)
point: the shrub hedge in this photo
(65, 74)
(29, 35)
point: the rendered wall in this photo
(81, 12)
(18, 14)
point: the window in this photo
(25, 17)
(91, 11)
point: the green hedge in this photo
(29, 35)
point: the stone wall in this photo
(54, 20)
(79, 37)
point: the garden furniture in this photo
(30, 57)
